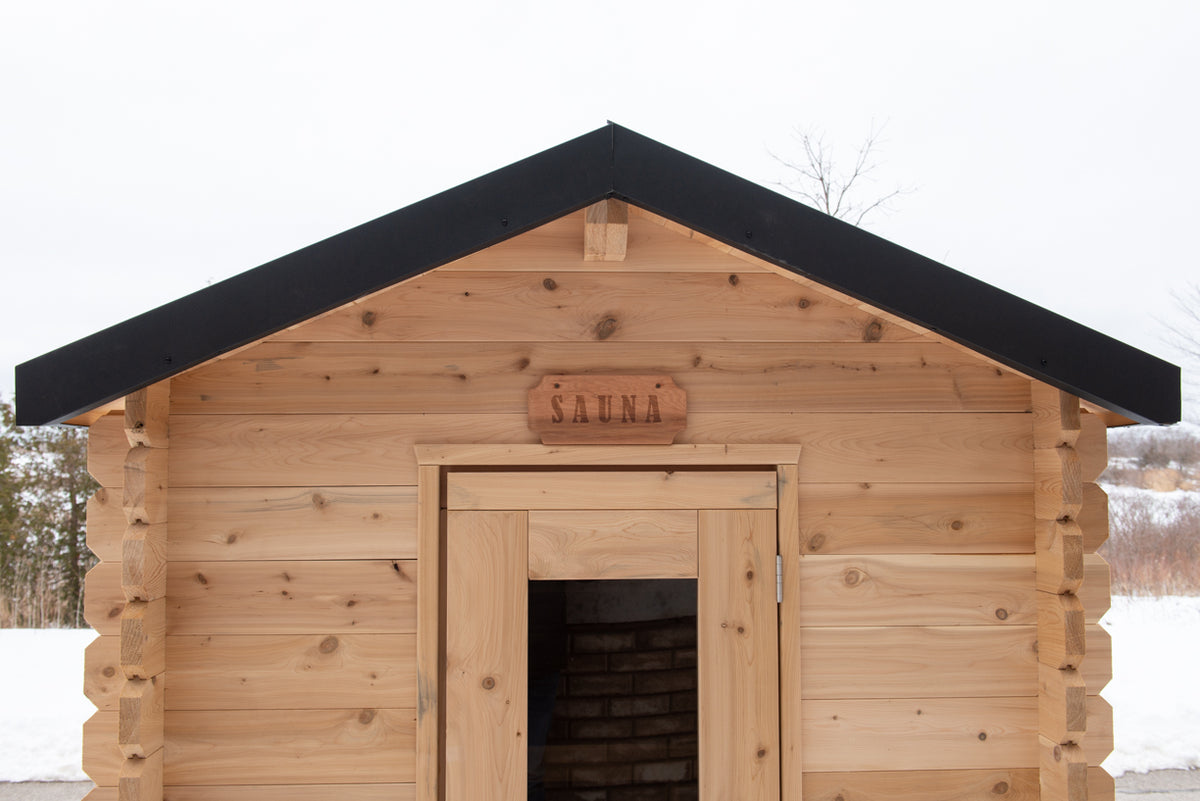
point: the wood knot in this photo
(366, 716)
(328, 645)
(318, 500)
(957, 525)
(733, 279)
(873, 332)
(803, 303)
(741, 629)
(749, 575)
(762, 752)
(550, 284)
(522, 364)
(816, 542)
(368, 319)
(109, 672)
(488, 683)
(231, 539)
(201, 579)
(1000, 788)
(115, 611)
(606, 328)
(982, 736)
(1058, 753)
(852, 577)
(839, 797)
(351, 603)
(1002, 614)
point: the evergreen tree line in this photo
(44, 488)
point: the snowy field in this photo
(1154, 693)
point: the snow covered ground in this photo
(1154, 693)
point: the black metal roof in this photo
(609, 162)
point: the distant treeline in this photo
(44, 488)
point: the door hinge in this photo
(778, 578)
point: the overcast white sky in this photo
(150, 148)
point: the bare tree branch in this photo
(817, 180)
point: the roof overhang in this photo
(609, 162)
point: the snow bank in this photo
(1154, 693)
(42, 705)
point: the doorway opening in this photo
(613, 691)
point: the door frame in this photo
(435, 461)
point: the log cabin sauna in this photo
(851, 556)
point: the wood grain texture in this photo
(1059, 556)
(144, 490)
(1096, 592)
(291, 671)
(1061, 634)
(1058, 483)
(1063, 771)
(575, 456)
(105, 524)
(791, 642)
(260, 746)
(737, 656)
(144, 561)
(1018, 784)
(920, 734)
(106, 451)
(919, 662)
(486, 659)
(555, 246)
(1098, 742)
(1093, 517)
(641, 489)
(270, 523)
(143, 638)
(1055, 417)
(336, 597)
(103, 598)
(142, 778)
(1062, 705)
(102, 757)
(1092, 447)
(917, 590)
(375, 450)
(1097, 665)
(102, 676)
(608, 544)
(915, 518)
(147, 413)
(429, 642)
(293, 792)
(546, 306)
(495, 377)
(140, 721)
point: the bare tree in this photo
(1184, 336)
(822, 179)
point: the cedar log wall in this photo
(291, 587)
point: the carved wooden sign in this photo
(607, 410)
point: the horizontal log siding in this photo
(291, 587)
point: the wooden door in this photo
(504, 529)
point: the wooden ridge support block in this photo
(140, 725)
(605, 231)
(144, 562)
(146, 414)
(1057, 483)
(1059, 556)
(1061, 631)
(142, 779)
(144, 638)
(1056, 417)
(1062, 705)
(145, 497)
(1063, 771)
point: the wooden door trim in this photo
(436, 460)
